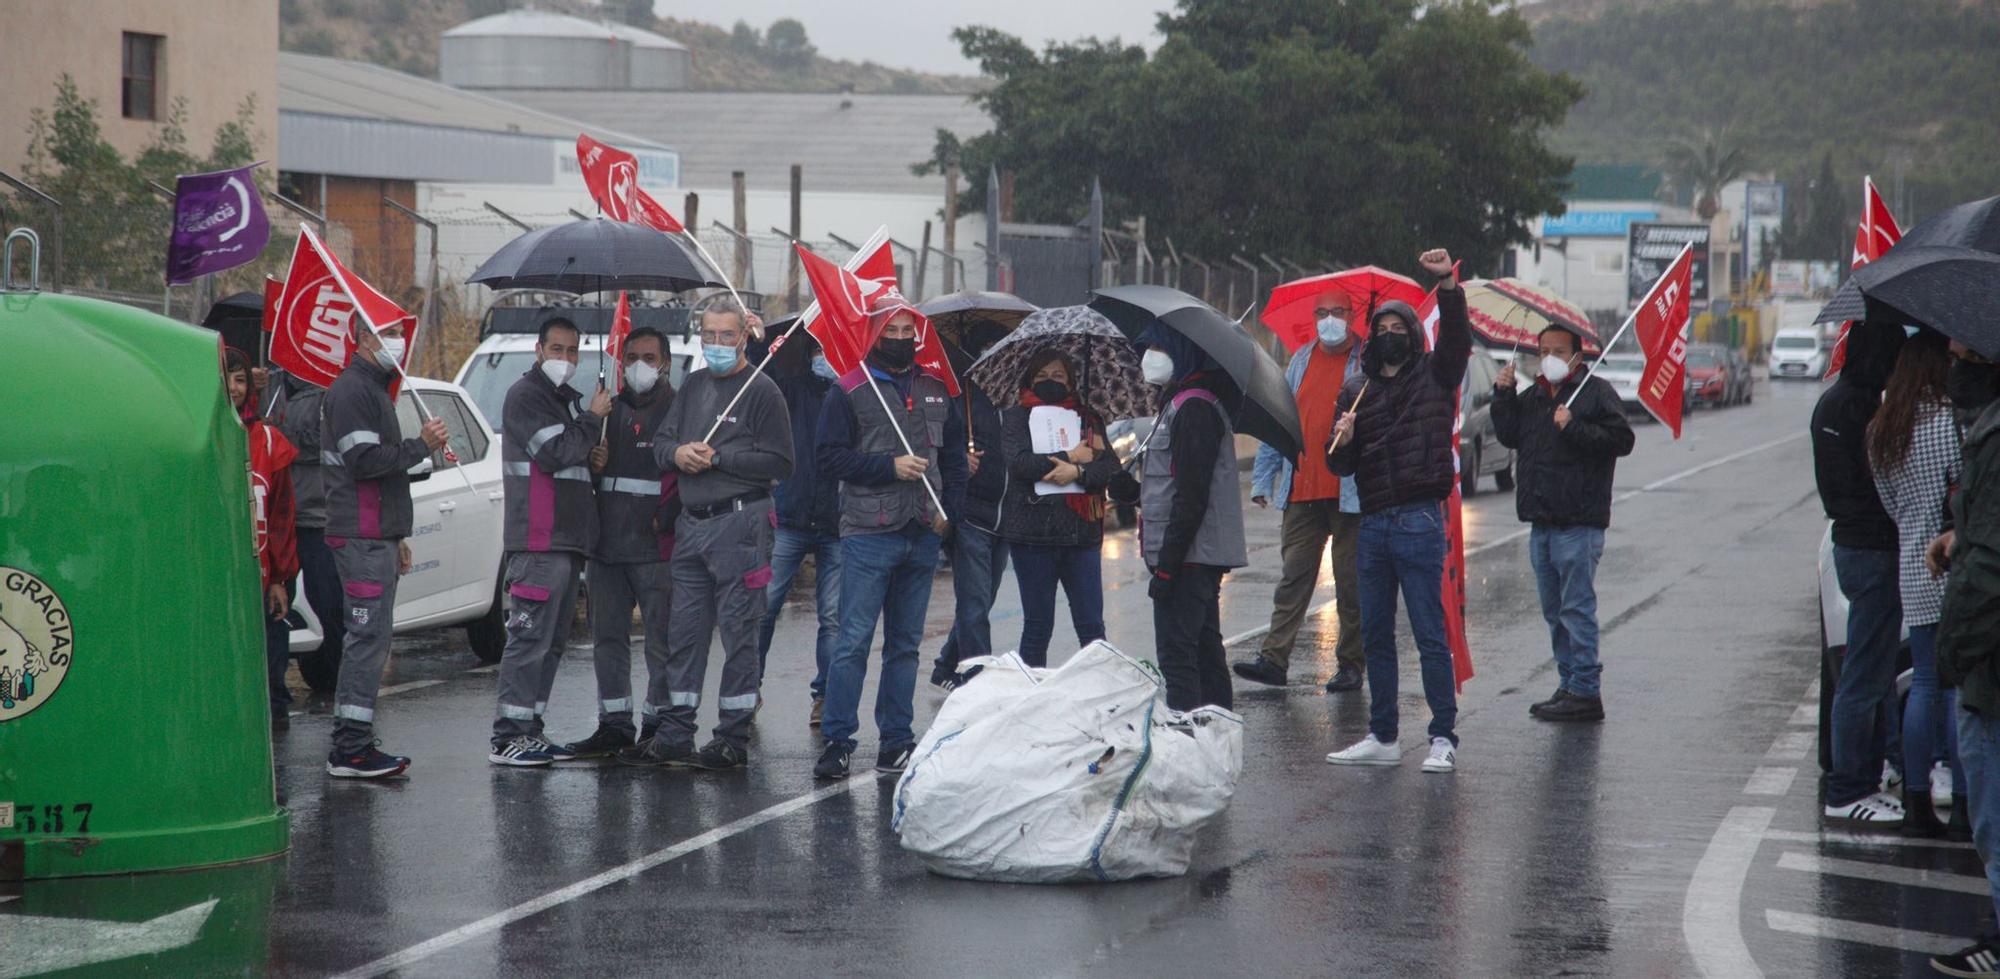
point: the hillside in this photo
(403, 34)
(1882, 85)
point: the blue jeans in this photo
(978, 561)
(1979, 758)
(1565, 562)
(1404, 547)
(1868, 674)
(884, 576)
(1927, 733)
(1038, 570)
(788, 551)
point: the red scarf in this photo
(1087, 505)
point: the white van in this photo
(507, 348)
(1798, 353)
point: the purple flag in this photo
(219, 223)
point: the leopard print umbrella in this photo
(1108, 381)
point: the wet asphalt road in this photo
(1681, 837)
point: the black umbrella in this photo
(1955, 291)
(1974, 225)
(595, 255)
(240, 320)
(1268, 411)
(976, 320)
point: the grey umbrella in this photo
(595, 255)
(1268, 412)
(974, 320)
(1108, 381)
(1974, 225)
(1955, 291)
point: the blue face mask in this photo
(721, 360)
(824, 368)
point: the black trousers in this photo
(1187, 632)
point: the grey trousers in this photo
(720, 568)
(614, 590)
(541, 591)
(368, 572)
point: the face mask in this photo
(1156, 367)
(1555, 370)
(721, 360)
(557, 371)
(1394, 347)
(391, 353)
(641, 376)
(1332, 331)
(1050, 391)
(824, 368)
(896, 354)
(1972, 386)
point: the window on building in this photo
(139, 91)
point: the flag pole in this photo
(1629, 320)
(449, 456)
(1356, 406)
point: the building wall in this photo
(216, 53)
(374, 240)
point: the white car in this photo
(455, 537)
(501, 359)
(1622, 372)
(1798, 354)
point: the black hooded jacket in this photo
(1839, 440)
(1403, 443)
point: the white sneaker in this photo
(1367, 751)
(1892, 777)
(1876, 810)
(1444, 757)
(1940, 786)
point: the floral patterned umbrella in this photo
(1108, 379)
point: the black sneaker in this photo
(1979, 961)
(894, 759)
(1573, 708)
(833, 760)
(1535, 709)
(602, 743)
(370, 762)
(944, 678)
(1261, 670)
(653, 754)
(721, 756)
(1344, 680)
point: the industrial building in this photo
(539, 49)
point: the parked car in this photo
(1716, 377)
(507, 348)
(1798, 354)
(1622, 371)
(1479, 450)
(455, 537)
(1833, 650)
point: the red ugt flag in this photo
(1877, 234)
(839, 316)
(1661, 323)
(316, 311)
(614, 344)
(612, 175)
(1453, 585)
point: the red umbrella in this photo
(1289, 314)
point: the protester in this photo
(295, 407)
(368, 517)
(1393, 433)
(1969, 618)
(1056, 538)
(808, 525)
(888, 433)
(547, 449)
(627, 564)
(1568, 431)
(1191, 516)
(722, 541)
(1318, 508)
(978, 551)
(271, 519)
(1865, 561)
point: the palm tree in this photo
(1702, 166)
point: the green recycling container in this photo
(134, 712)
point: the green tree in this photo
(638, 13)
(785, 41)
(1700, 168)
(1357, 131)
(236, 140)
(745, 38)
(1823, 234)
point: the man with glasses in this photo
(1318, 506)
(729, 452)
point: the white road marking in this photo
(495, 922)
(1770, 781)
(1859, 839)
(406, 687)
(1814, 926)
(1812, 692)
(1806, 715)
(1886, 873)
(1791, 746)
(489, 668)
(1711, 914)
(1505, 539)
(37, 944)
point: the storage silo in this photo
(658, 63)
(540, 49)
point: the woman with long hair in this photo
(1913, 450)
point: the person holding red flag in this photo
(1392, 432)
(887, 432)
(1567, 451)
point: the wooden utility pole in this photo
(951, 228)
(740, 200)
(792, 267)
(923, 261)
(693, 212)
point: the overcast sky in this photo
(917, 33)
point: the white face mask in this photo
(1332, 331)
(1555, 370)
(641, 376)
(1156, 367)
(558, 371)
(391, 353)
